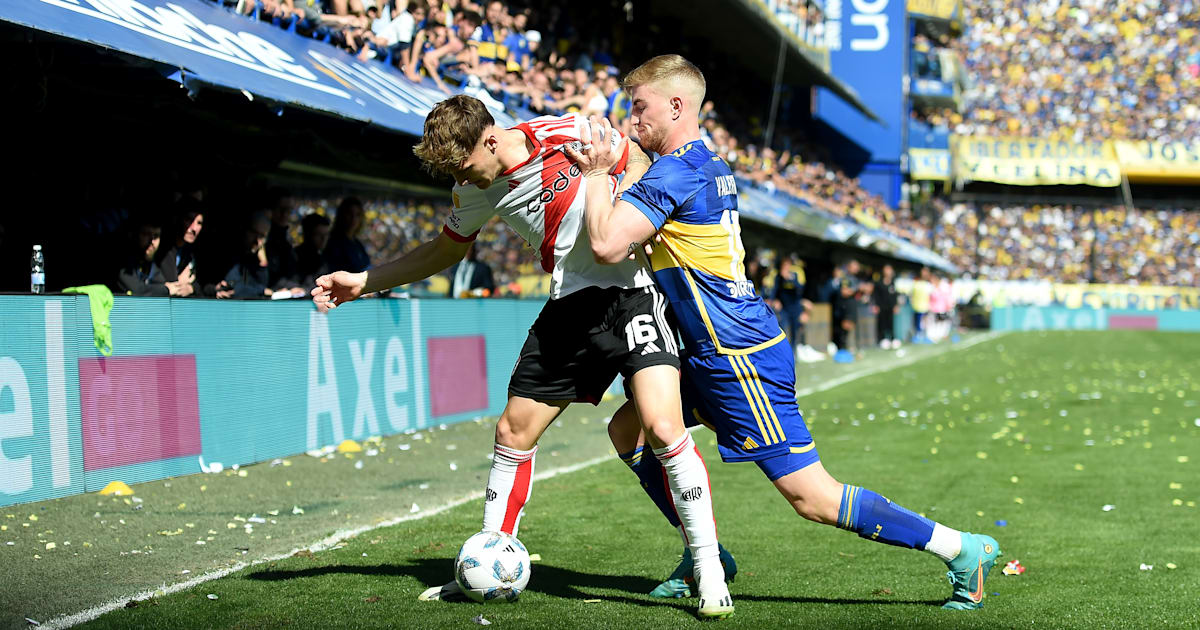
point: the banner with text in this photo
(1162, 162)
(1032, 162)
(929, 164)
(192, 383)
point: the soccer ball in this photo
(492, 566)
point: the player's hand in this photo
(337, 288)
(598, 154)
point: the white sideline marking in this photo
(67, 621)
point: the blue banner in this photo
(867, 42)
(212, 46)
(196, 383)
(1067, 318)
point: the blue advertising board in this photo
(193, 383)
(867, 42)
(208, 45)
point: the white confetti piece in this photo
(296, 510)
(1109, 507)
(453, 466)
(480, 621)
(415, 508)
(358, 465)
(212, 596)
(1147, 567)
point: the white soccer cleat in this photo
(449, 592)
(715, 600)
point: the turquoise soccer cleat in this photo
(969, 571)
(678, 584)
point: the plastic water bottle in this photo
(37, 271)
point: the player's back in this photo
(699, 259)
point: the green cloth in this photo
(101, 300)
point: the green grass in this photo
(1039, 430)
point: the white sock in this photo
(691, 494)
(509, 485)
(945, 543)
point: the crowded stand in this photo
(1087, 70)
(1107, 245)
(526, 62)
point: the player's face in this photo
(480, 168)
(650, 116)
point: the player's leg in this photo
(656, 398)
(510, 481)
(642, 342)
(815, 495)
(625, 432)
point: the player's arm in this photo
(431, 257)
(615, 229)
(636, 166)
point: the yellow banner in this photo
(1031, 162)
(1145, 161)
(1121, 296)
(942, 9)
(929, 164)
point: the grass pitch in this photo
(1037, 431)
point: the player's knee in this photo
(662, 429)
(514, 434)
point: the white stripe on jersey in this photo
(543, 201)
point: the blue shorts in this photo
(750, 402)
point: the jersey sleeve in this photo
(662, 190)
(471, 211)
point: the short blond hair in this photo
(452, 129)
(674, 70)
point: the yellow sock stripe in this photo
(766, 400)
(850, 506)
(754, 409)
(763, 407)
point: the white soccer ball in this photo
(492, 566)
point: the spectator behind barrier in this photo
(248, 277)
(136, 273)
(177, 262)
(345, 251)
(310, 254)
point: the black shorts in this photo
(581, 342)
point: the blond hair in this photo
(452, 129)
(679, 75)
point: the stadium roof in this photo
(754, 38)
(203, 46)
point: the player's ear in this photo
(676, 107)
(491, 142)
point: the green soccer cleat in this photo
(678, 584)
(970, 569)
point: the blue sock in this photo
(650, 472)
(876, 518)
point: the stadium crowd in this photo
(1086, 69)
(1109, 245)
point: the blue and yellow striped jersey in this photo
(691, 198)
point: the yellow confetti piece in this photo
(203, 488)
(981, 455)
(1019, 500)
(1087, 431)
(87, 544)
(189, 525)
(3, 528)
(1191, 504)
(50, 546)
(592, 601)
(933, 451)
(287, 462)
(535, 557)
(242, 473)
(36, 557)
(289, 483)
(1014, 479)
(1177, 502)
(1147, 445)
(33, 517)
(1078, 466)
(1182, 459)
(1176, 486)
(230, 525)
(180, 506)
(1172, 565)
(979, 513)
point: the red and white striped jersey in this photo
(543, 201)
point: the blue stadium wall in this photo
(192, 381)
